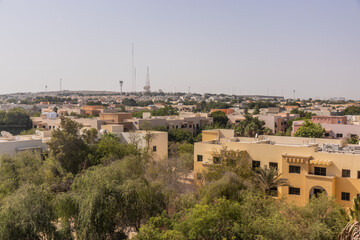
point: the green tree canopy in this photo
(165, 111)
(180, 135)
(251, 126)
(310, 130)
(352, 110)
(219, 119)
(27, 214)
(68, 147)
(15, 120)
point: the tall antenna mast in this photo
(60, 85)
(135, 80)
(132, 69)
(45, 88)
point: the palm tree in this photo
(269, 179)
(352, 229)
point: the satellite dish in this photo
(6, 134)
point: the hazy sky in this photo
(222, 46)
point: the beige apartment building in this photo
(311, 165)
(158, 143)
(54, 123)
(190, 122)
(11, 145)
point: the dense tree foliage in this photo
(133, 103)
(68, 146)
(310, 129)
(260, 104)
(138, 114)
(220, 120)
(15, 120)
(352, 110)
(204, 106)
(49, 99)
(251, 126)
(353, 140)
(303, 114)
(165, 111)
(180, 135)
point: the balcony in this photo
(319, 177)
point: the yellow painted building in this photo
(310, 165)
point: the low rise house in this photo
(10, 144)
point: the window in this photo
(199, 158)
(154, 148)
(199, 176)
(358, 175)
(294, 191)
(339, 135)
(273, 165)
(345, 196)
(255, 164)
(345, 173)
(327, 134)
(216, 160)
(294, 169)
(320, 171)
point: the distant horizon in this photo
(114, 91)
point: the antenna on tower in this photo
(133, 71)
(189, 90)
(45, 88)
(60, 85)
(147, 83)
(294, 93)
(121, 85)
(135, 80)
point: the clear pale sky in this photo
(219, 46)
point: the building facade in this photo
(311, 165)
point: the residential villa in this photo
(311, 165)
